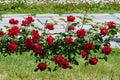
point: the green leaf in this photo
(88, 19)
(76, 62)
(55, 68)
(86, 63)
(49, 69)
(35, 70)
(97, 46)
(72, 56)
(75, 24)
(101, 39)
(6, 27)
(62, 19)
(80, 17)
(105, 58)
(32, 25)
(113, 32)
(70, 67)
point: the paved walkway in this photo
(40, 19)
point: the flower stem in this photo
(83, 22)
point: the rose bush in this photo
(63, 49)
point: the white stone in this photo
(101, 18)
(43, 20)
(46, 15)
(59, 21)
(117, 15)
(73, 14)
(86, 27)
(58, 27)
(14, 15)
(114, 44)
(57, 31)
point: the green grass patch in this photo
(21, 67)
(35, 8)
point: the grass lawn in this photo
(21, 67)
(35, 8)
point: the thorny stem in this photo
(66, 29)
(88, 7)
(44, 29)
(84, 18)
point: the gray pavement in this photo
(40, 19)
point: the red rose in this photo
(93, 61)
(65, 64)
(34, 32)
(49, 26)
(81, 33)
(37, 48)
(84, 53)
(69, 40)
(16, 21)
(104, 31)
(42, 53)
(36, 36)
(89, 46)
(1, 33)
(106, 50)
(30, 19)
(62, 62)
(42, 66)
(71, 28)
(29, 43)
(25, 23)
(70, 18)
(111, 25)
(13, 21)
(58, 59)
(12, 47)
(50, 40)
(13, 31)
